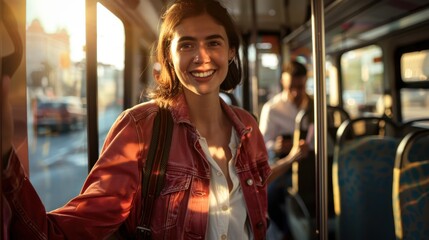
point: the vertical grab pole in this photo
(91, 81)
(318, 28)
(254, 65)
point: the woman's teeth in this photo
(202, 74)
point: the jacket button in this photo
(249, 182)
(259, 225)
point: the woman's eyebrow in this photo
(188, 38)
(215, 36)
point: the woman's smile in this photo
(202, 74)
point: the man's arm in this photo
(266, 126)
(280, 167)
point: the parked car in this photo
(62, 114)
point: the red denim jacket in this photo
(110, 200)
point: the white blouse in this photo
(227, 212)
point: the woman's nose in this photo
(201, 56)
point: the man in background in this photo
(277, 124)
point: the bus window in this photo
(55, 62)
(330, 80)
(331, 83)
(110, 57)
(362, 77)
(414, 69)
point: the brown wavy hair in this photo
(168, 84)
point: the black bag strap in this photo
(154, 171)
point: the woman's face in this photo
(200, 53)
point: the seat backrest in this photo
(411, 201)
(410, 193)
(412, 125)
(299, 218)
(303, 177)
(362, 182)
(366, 126)
(335, 117)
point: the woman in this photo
(217, 170)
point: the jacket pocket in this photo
(171, 201)
(260, 174)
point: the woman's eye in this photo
(185, 46)
(214, 43)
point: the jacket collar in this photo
(180, 112)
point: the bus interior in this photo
(90, 60)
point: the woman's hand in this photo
(6, 121)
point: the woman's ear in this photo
(231, 54)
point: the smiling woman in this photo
(215, 182)
(102, 52)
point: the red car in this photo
(59, 115)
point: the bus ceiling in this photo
(352, 23)
(347, 23)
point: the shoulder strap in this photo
(154, 170)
